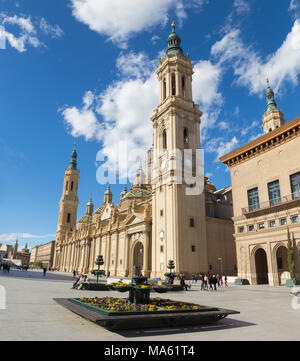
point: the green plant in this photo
(291, 262)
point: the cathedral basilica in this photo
(158, 221)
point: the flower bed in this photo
(93, 286)
(121, 287)
(113, 306)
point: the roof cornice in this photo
(263, 144)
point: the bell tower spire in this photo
(69, 200)
(175, 72)
(273, 118)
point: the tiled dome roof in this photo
(138, 193)
(85, 219)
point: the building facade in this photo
(159, 219)
(265, 177)
(43, 254)
(12, 253)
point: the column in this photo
(178, 84)
(146, 254)
(126, 258)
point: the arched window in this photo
(183, 86)
(185, 136)
(67, 185)
(164, 139)
(69, 218)
(164, 89)
(72, 185)
(173, 84)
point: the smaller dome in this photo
(138, 193)
(85, 219)
(174, 42)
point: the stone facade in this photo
(43, 254)
(157, 220)
(265, 177)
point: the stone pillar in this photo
(177, 82)
(87, 256)
(145, 271)
(126, 260)
(108, 247)
(272, 271)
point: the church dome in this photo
(85, 219)
(174, 42)
(138, 193)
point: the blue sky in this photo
(84, 70)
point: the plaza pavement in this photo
(31, 314)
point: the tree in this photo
(291, 262)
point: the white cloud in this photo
(82, 122)
(220, 146)
(27, 34)
(251, 70)
(206, 81)
(294, 8)
(119, 20)
(255, 136)
(241, 6)
(226, 147)
(9, 237)
(246, 130)
(53, 30)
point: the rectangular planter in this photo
(141, 320)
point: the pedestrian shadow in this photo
(225, 324)
(36, 275)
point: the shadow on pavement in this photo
(225, 324)
(36, 275)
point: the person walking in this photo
(214, 282)
(206, 282)
(182, 283)
(210, 282)
(218, 280)
(74, 273)
(193, 278)
(44, 271)
(225, 279)
(201, 278)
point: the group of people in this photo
(80, 281)
(209, 281)
(5, 267)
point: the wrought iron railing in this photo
(271, 203)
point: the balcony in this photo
(269, 206)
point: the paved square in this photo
(31, 314)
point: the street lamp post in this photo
(221, 260)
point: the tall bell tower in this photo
(178, 209)
(273, 117)
(69, 200)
